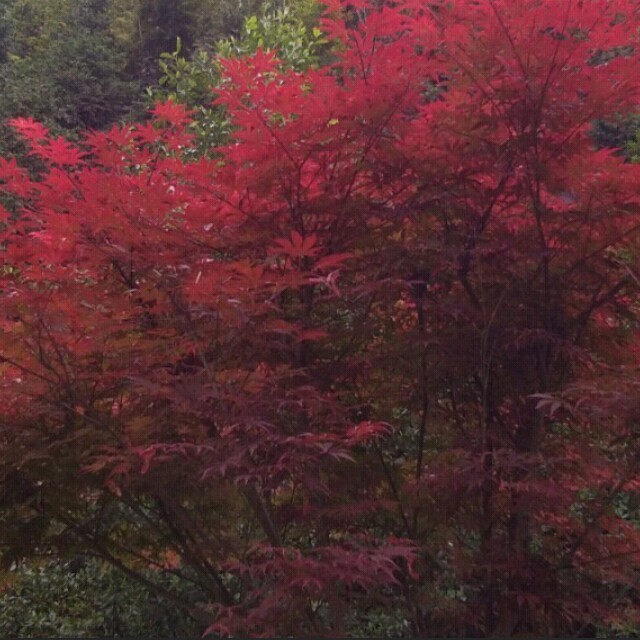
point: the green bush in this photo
(86, 597)
(70, 74)
(192, 81)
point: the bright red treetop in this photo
(378, 355)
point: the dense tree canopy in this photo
(378, 353)
(77, 64)
(62, 65)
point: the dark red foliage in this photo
(380, 353)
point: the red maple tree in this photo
(379, 353)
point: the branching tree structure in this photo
(381, 351)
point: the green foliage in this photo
(83, 64)
(633, 145)
(191, 81)
(85, 598)
(159, 23)
(298, 44)
(76, 65)
(378, 623)
(64, 69)
(30, 26)
(619, 133)
(199, 24)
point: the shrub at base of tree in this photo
(85, 598)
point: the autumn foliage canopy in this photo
(377, 353)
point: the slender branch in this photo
(393, 487)
(192, 552)
(264, 514)
(197, 613)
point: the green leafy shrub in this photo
(293, 33)
(85, 598)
